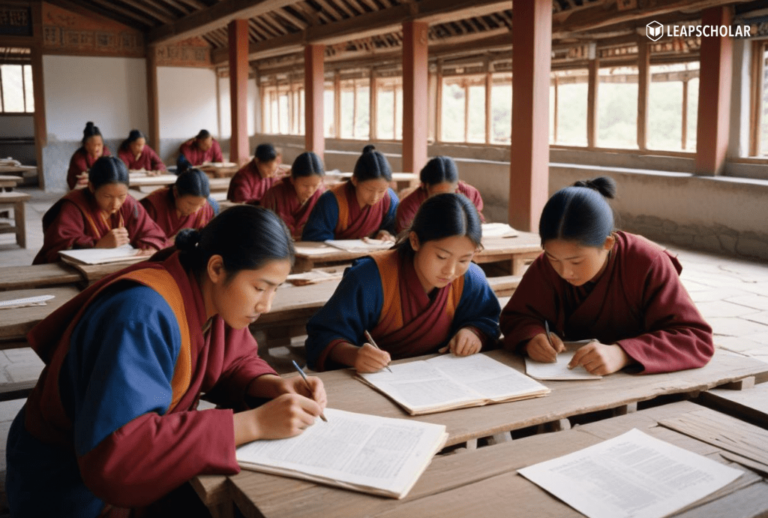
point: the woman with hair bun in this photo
(201, 149)
(423, 297)
(183, 205)
(439, 176)
(103, 215)
(137, 155)
(363, 207)
(294, 197)
(112, 426)
(82, 160)
(256, 177)
(618, 289)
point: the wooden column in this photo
(314, 85)
(531, 62)
(38, 92)
(592, 88)
(714, 95)
(337, 104)
(643, 87)
(372, 105)
(684, 143)
(238, 90)
(415, 95)
(152, 100)
(439, 109)
(488, 107)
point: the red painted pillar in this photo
(531, 61)
(714, 95)
(314, 87)
(415, 95)
(238, 90)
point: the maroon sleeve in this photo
(154, 159)
(677, 336)
(477, 200)
(240, 187)
(533, 302)
(149, 207)
(125, 156)
(77, 165)
(406, 211)
(151, 455)
(66, 232)
(142, 229)
(216, 152)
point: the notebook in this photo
(449, 382)
(125, 253)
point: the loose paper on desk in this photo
(496, 230)
(360, 245)
(40, 300)
(101, 255)
(559, 370)
(366, 453)
(632, 475)
(448, 382)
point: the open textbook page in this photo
(632, 475)
(366, 453)
(101, 255)
(360, 245)
(559, 370)
(448, 382)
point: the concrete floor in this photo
(732, 294)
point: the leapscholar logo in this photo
(655, 31)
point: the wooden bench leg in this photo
(20, 217)
(625, 409)
(561, 425)
(742, 384)
(500, 438)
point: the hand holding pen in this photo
(370, 358)
(545, 347)
(308, 385)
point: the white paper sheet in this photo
(40, 300)
(101, 255)
(356, 451)
(359, 245)
(559, 370)
(632, 475)
(496, 230)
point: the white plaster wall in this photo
(186, 101)
(225, 113)
(17, 126)
(111, 92)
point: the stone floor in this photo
(731, 293)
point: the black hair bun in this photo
(602, 184)
(187, 239)
(369, 149)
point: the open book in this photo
(365, 453)
(495, 230)
(448, 382)
(360, 245)
(559, 370)
(125, 253)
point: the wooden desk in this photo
(16, 323)
(749, 405)
(400, 181)
(519, 250)
(160, 180)
(485, 482)
(38, 276)
(94, 272)
(219, 184)
(220, 171)
(10, 181)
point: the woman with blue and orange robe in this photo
(103, 215)
(294, 197)
(182, 205)
(112, 423)
(423, 297)
(363, 207)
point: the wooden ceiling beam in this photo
(153, 11)
(183, 8)
(218, 15)
(107, 14)
(197, 4)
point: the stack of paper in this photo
(125, 253)
(449, 382)
(360, 245)
(366, 453)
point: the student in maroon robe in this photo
(294, 197)
(103, 215)
(254, 179)
(201, 149)
(440, 175)
(137, 155)
(363, 207)
(183, 205)
(619, 290)
(112, 423)
(425, 296)
(83, 159)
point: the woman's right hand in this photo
(114, 238)
(371, 359)
(285, 416)
(539, 350)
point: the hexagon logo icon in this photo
(654, 30)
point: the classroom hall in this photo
(668, 98)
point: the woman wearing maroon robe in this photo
(440, 175)
(363, 207)
(183, 205)
(137, 155)
(254, 179)
(201, 149)
(83, 159)
(617, 289)
(294, 197)
(103, 215)
(423, 297)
